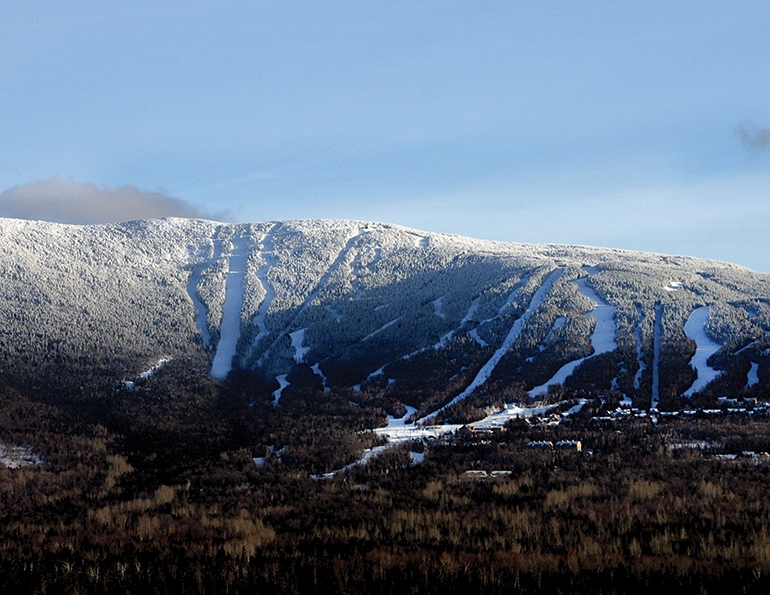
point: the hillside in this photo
(380, 311)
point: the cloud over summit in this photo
(68, 201)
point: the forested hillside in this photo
(363, 306)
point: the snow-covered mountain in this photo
(371, 306)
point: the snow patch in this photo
(150, 372)
(297, 338)
(324, 380)
(14, 457)
(438, 307)
(282, 384)
(474, 334)
(753, 375)
(379, 330)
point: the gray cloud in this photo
(753, 137)
(68, 201)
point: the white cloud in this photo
(68, 201)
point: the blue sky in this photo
(639, 125)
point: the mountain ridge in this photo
(356, 301)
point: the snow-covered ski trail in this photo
(639, 344)
(266, 250)
(752, 377)
(489, 367)
(656, 341)
(300, 351)
(201, 314)
(379, 330)
(230, 330)
(704, 348)
(602, 338)
(321, 284)
(282, 384)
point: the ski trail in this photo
(382, 328)
(438, 306)
(201, 314)
(602, 338)
(442, 342)
(704, 348)
(230, 329)
(657, 336)
(270, 261)
(642, 365)
(297, 338)
(282, 384)
(324, 380)
(489, 367)
(752, 378)
(326, 276)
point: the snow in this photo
(642, 365)
(602, 338)
(317, 371)
(379, 330)
(14, 457)
(400, 422)
(282, 384)
(499, 419)
(150, 372)
(753, 375)
(673, 286)
(270, 261)
(657, 338)
(417, 457)
(230, 330)
(489, 367)
(474, 334)
(297, 338)
(399, 434)
(437, 307)
(378, 372)
(471, 311)
(705, 348)
(558, 378)
(201, 316)
(316, 292)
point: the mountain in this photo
(433, 321)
